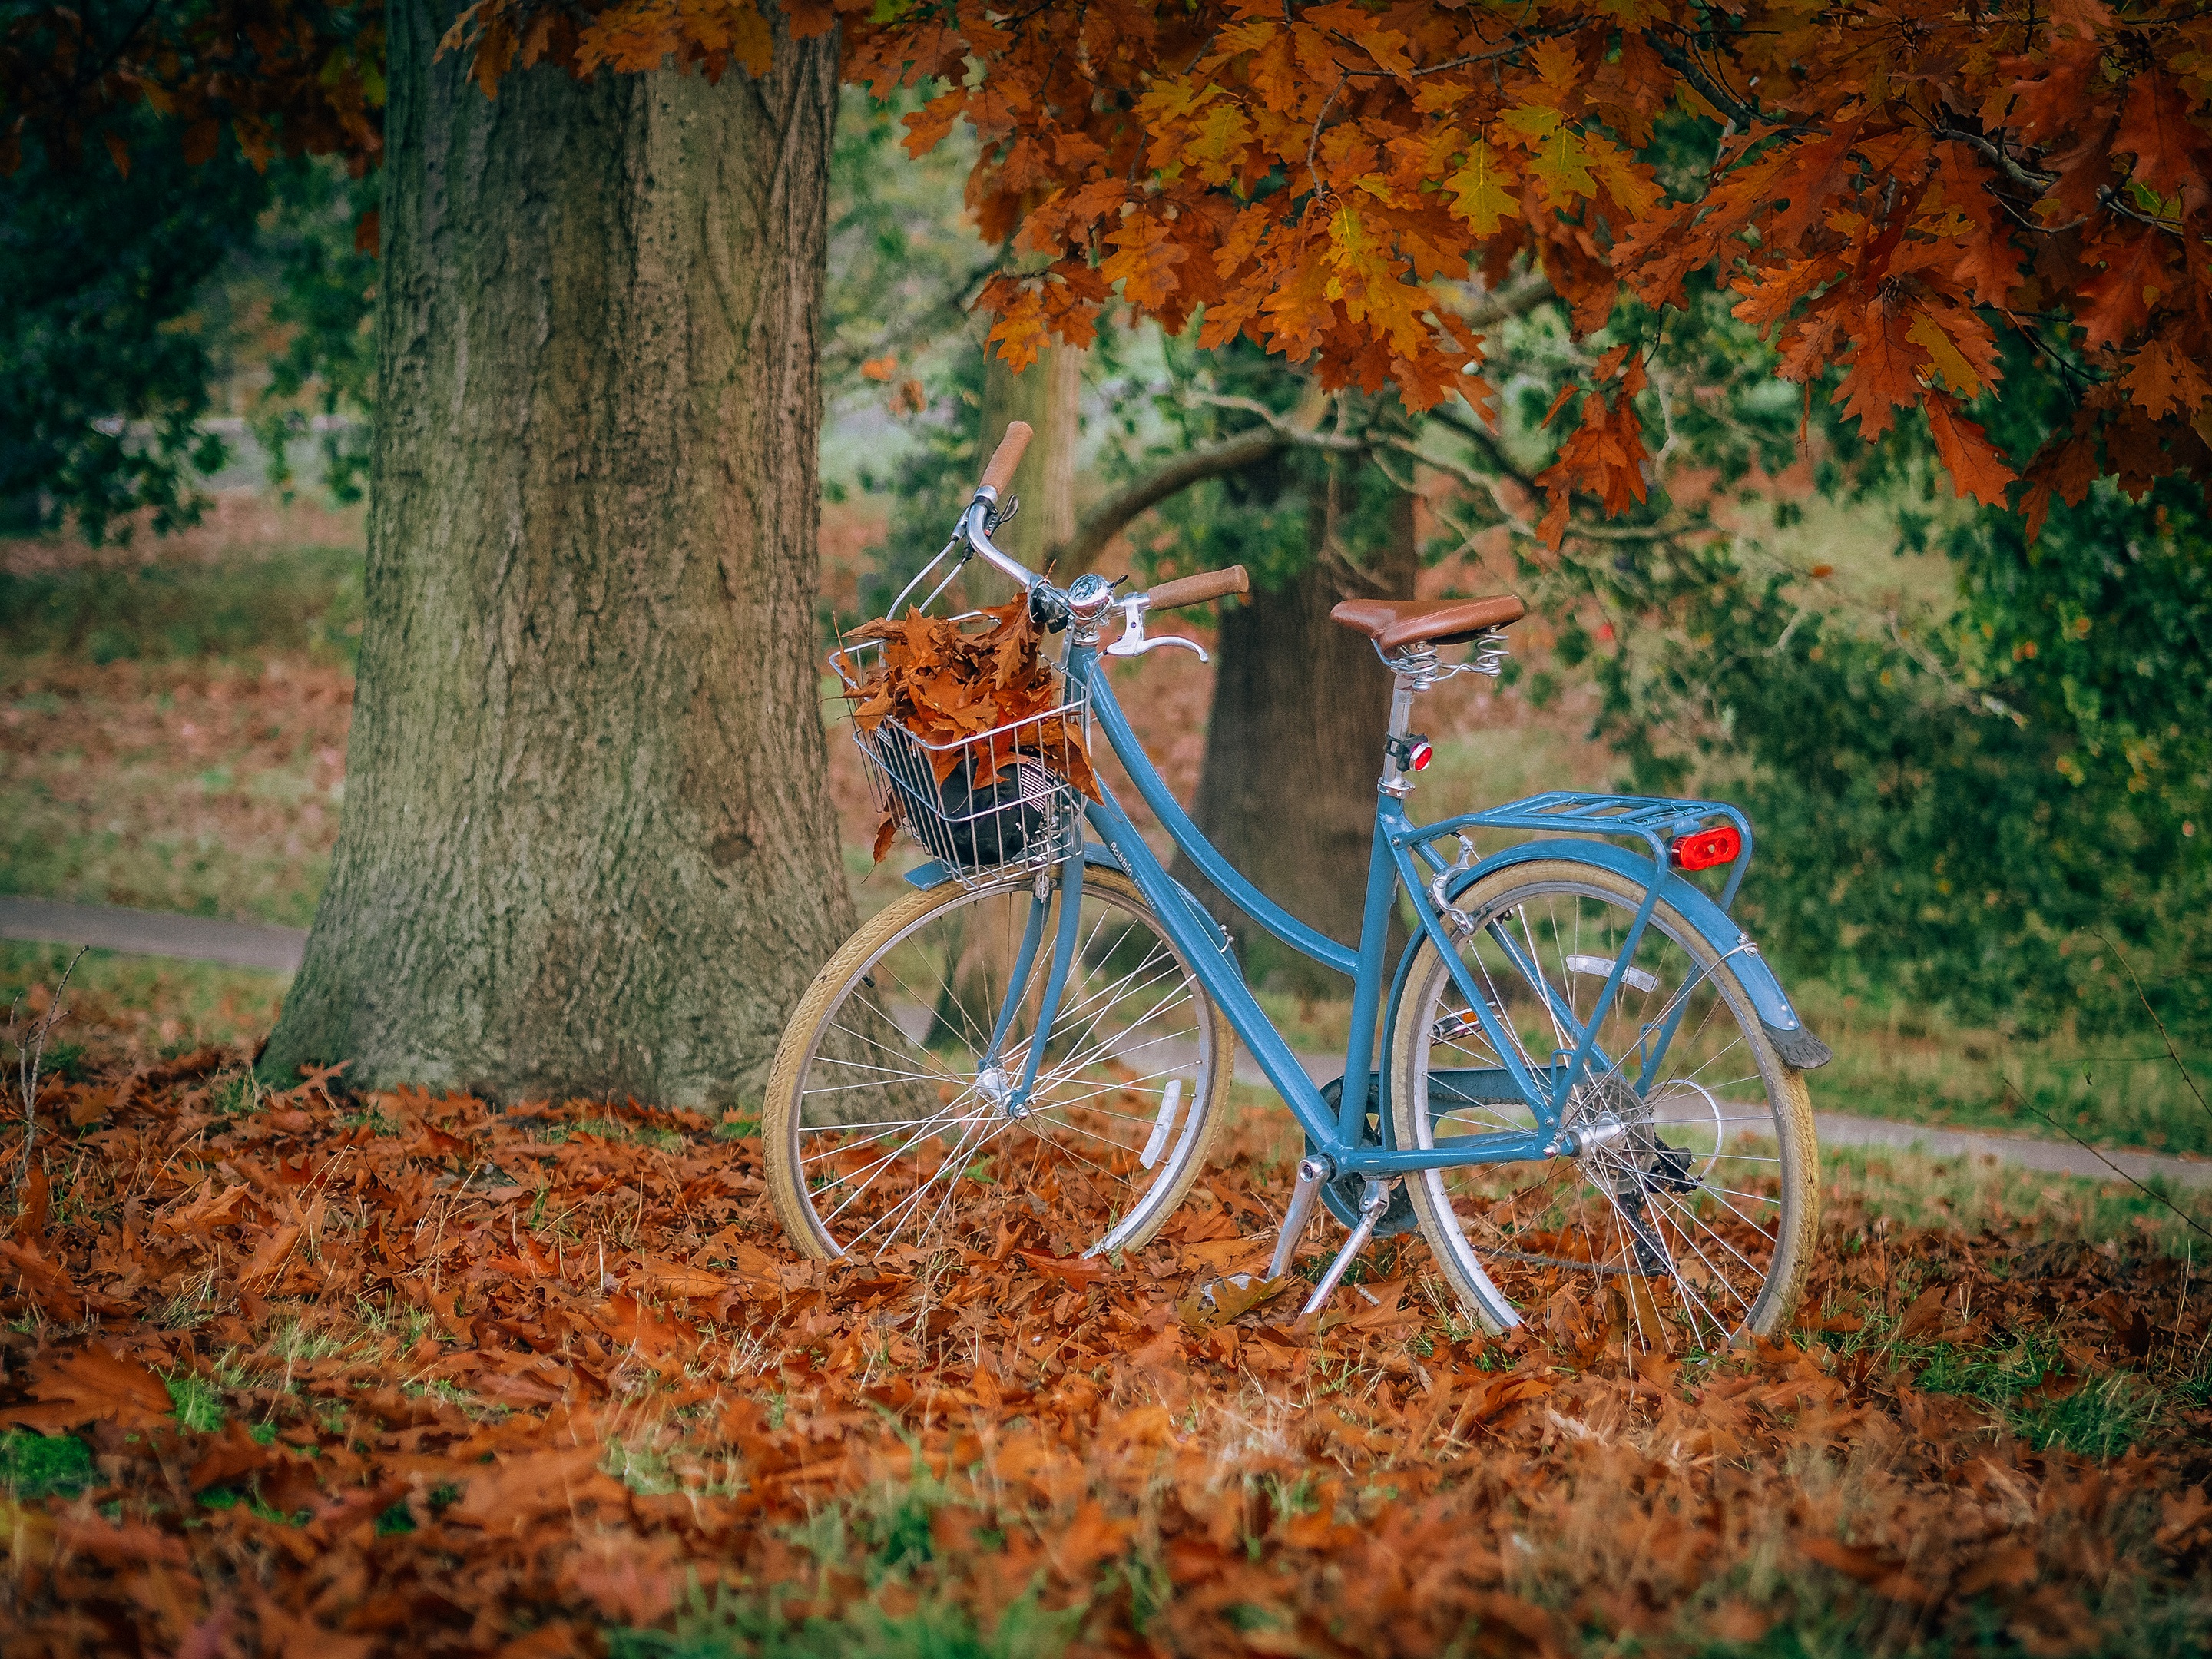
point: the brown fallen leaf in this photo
(674, 1279)
(1878, 1570)
(270, 1254)
(90, 1384)
(36, 1201)
(518, 1492)
(1078, 1271)
(1224, 1300)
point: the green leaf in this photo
(1480, 192)
(1563, 164)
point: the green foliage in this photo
(322, 287)
(34, 1466)
(106, 381)
(903, 264)
(932, 481)
(903, 260)
(1273, 516)
(1981, 809)
(130, 297)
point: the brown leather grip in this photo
(1197, 590)
(1007, 457)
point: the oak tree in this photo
(587, 846)
(1891, 190)
(559, 843)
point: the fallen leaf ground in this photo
(313, 1374)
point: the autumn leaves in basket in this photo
(984, 698)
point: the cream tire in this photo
(1710, 1281)
(1194, 1040)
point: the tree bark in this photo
(1294, 749)
(1048, 395)
(588, 847)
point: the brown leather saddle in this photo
(1392, 623)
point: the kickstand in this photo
(1312, 1172)
(1372, 1202)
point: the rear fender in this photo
(1797, 1045)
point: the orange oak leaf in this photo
(1976, 467)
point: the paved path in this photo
(2024, 1151)
(1838, 1129)
(154, 933)
(243, 945)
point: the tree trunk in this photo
(1048, 395)
(588, 848)
(1293, 750)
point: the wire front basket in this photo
(979, 804)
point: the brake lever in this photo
(1133, 642)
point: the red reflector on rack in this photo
(1706, 848)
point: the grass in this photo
(881, 1543)
(34, 1466)
(1914, 1189)
(1915, 1066)
(155, 1005)
(725, 1624)
(204, 788)
(171, 736)
(305, 601)
(2121, 1090)
(173, 733)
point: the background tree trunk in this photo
(1293, 749)
(1048, 395)
(588, 846)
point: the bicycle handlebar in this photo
(1008, 456)
(1198, 589)
(975, 530)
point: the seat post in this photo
(1402, 687)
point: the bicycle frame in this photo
(1399, 848)
(1392, 862)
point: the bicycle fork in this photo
(993, 1081)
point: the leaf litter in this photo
(536, 1380)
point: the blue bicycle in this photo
(1581, 1080)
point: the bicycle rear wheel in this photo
(886, 1133)
(1686, 1221)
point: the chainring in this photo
(1342, 1195)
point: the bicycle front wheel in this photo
(887, 1128)
(1683, 1217)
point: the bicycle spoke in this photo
(1652, 1198)
(1131, 1023)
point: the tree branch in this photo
(1289, 430)
(1112, 515)
(1446, 415)
(1491, 306)
(2005, 160)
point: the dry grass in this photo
(207, 787)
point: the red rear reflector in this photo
(1422, 755)
(1706, 848)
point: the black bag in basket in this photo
(980, 828)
